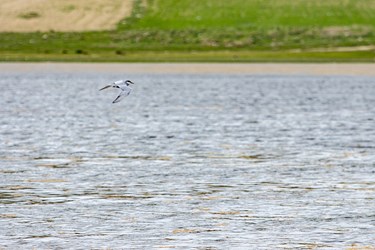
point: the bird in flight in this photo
(123, 85)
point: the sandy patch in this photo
(336, 49)
(62, 15)
(344, 69)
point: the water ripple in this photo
(198, 162)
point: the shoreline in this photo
(324, 69)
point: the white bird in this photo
(123, 85)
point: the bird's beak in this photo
(131, 82)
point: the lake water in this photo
(187, 161)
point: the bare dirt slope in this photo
(62, 15)
(304, 69)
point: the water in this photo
(187, 161)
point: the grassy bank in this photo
(214, 30)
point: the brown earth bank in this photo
(345, 69)
(62, 15)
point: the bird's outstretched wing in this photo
(121, 95)
(108, 86)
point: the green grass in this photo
(254, 14)
(213, 30)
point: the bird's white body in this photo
(123, 85)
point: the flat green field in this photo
(215, 30)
